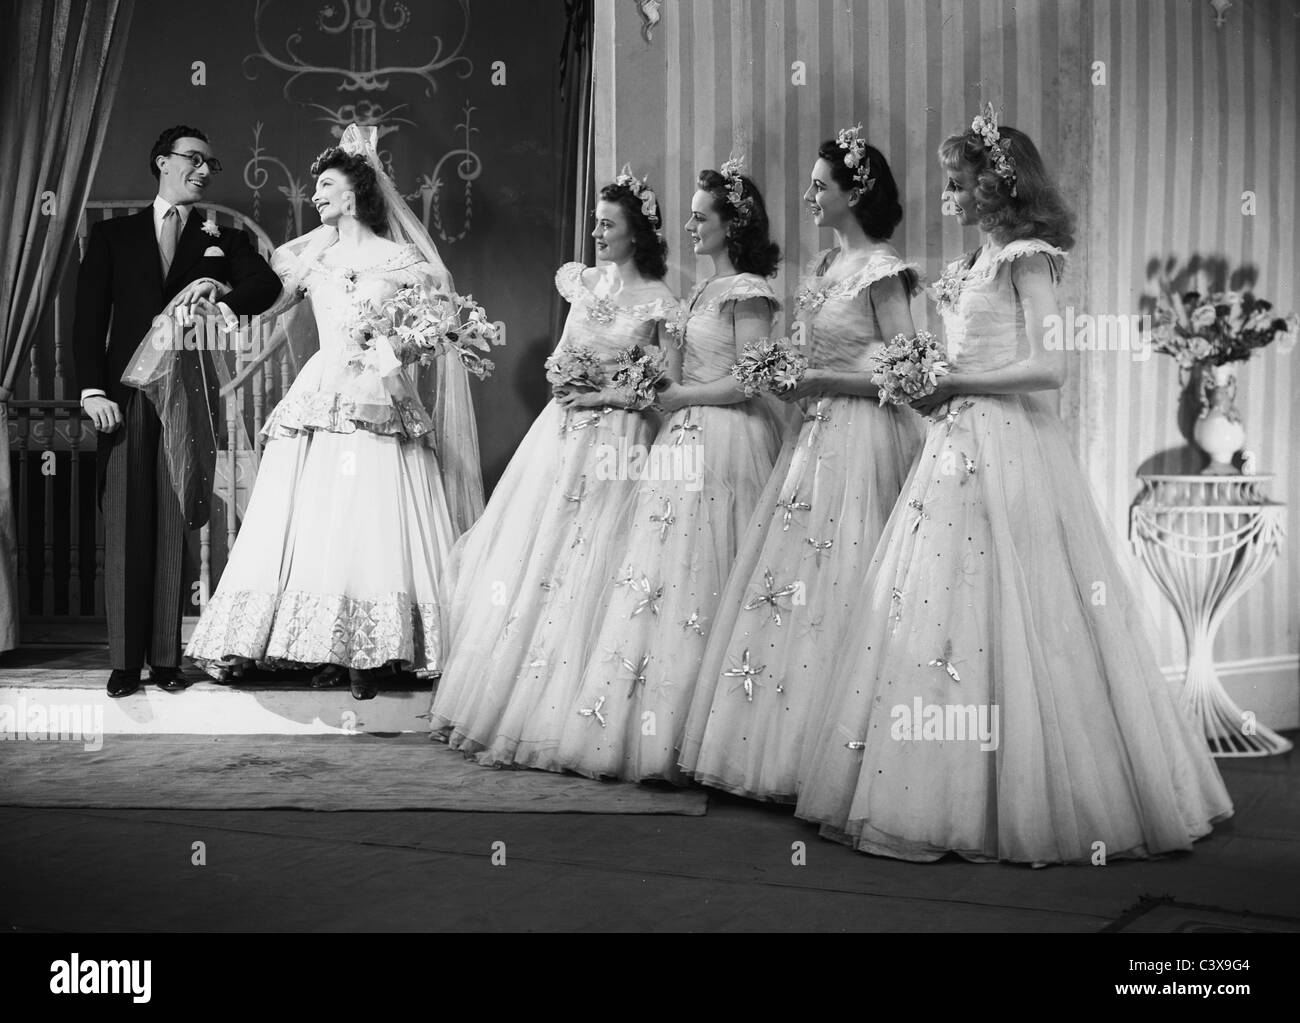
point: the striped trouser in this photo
(144, 544)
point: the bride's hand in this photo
(205, 307)
(205, 289)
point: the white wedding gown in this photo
(341, 552)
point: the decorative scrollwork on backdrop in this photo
(363, 21)
(364, 73)
(258, 177)
(431, 185)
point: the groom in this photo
(132, 268)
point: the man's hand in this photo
(103, 412)
(202, 298)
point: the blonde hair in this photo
(1037, 210)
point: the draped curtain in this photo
(61, 64)
(577, 182)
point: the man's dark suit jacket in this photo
(121, 280)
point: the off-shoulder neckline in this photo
(406, 255)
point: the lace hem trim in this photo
(307, 629)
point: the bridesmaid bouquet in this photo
(642, 372)
(769, 365)
(421, 327)
(909, 368)
(576, 368)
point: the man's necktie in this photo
(171, 232)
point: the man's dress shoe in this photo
(123, 682)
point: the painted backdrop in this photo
(466, 94)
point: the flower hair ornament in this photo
(985, 128)
(743, 206)
(855, 156)
(638, 187)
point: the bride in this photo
(368, 473)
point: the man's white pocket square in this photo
(213, 250)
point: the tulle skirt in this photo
(624, 716)
(525, 584)
(808, 545)
(998, 697)
(339, 559)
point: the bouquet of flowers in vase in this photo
(909, 368)
(1215, 329)
(420, 328)
(642, 373)
(575, 368)
(770, 364)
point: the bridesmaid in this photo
(624, 718)
(526, 579)
(786, 609)
(998, 697)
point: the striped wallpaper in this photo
(1154, 156)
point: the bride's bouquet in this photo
(909, 368)
(421, 327)
(575, 368)
(642, 372)
(769, 365)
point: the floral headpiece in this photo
(638, 187)
(731, 172)
(855, 159)
(985, 128)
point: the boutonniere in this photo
(210, 227)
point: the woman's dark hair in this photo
(649, 250)
(371, 209)
(749, 242)
(1037, 210)
(167, 142)
(877, 210)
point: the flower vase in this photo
(1218, 431)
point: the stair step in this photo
(40, 702)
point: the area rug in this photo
(362, 772)
(1168, 916)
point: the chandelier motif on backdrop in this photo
(367, 24)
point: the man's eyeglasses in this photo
(199, 159)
